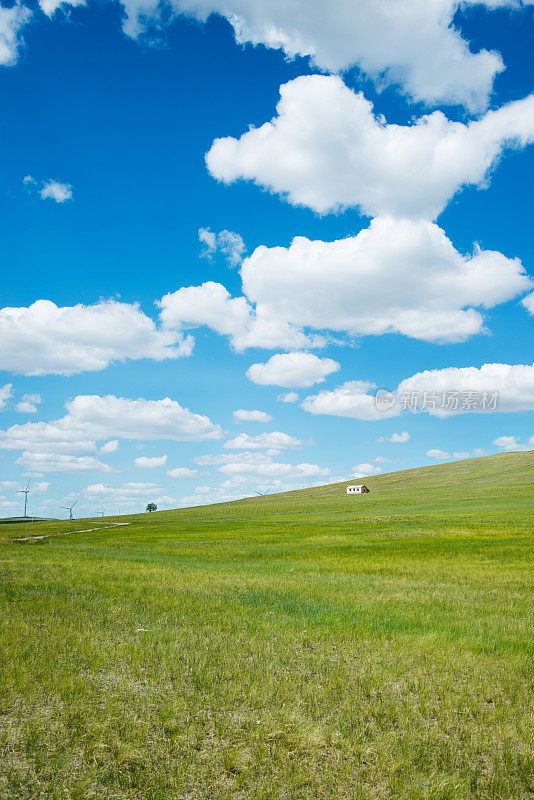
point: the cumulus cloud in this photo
(412, 44)
(233, 458)
(512, 444)
(292, 369)
(28, 404)
(247, 465)
(110, 447)
(351, 399)
(91, 418)
(230, 244)
(327, 150)
(365, 470)
(512, 384)
(288, 397)
(6, 392)
(212, 305)
(128, 492)
(54, 190)
(150, 463)
(396, 276)
(49, 7)
(440, 455)
(276, 440)
(274, 469)
(8, 485)
(528, 302)
(46, 339)
(181, 472)
(12, 21)
(447, 392)
(50, 189)
(57, 462)
(242, 415)
(396, 438)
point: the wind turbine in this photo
(69, 509)
(261, 494)
(25, 492)
(101, 511)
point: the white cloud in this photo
(396, 276)
(325, 149)
(150, 463)
(512, 444)
(365, 470)
(528, 302)
(274, 470)
(276, 440)
(9, 504)
(54, 462)
(28, 404)
(351, 399)
(6, 392)
(233, 458)
(24, 407)
(49, 7)
(126, 492)
(440, 455)
(92, 418)
(54, 190)
(12, 21)
(211, 305)
(40, 488)
(511, 386)
(248, 465)
(242, 415)
(139, 419)
(46, 339)
(292, 369)
(398, 438)
(513, 383)
(413, 44)
(182, 472)
(8, 485)
(110, 447)
(230, 244)
(288, 397)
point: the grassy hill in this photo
(302, 645)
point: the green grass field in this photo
(305, 645)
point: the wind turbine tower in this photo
(69, 509)
(25, 492)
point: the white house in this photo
(358, 489)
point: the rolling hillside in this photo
(304, 645)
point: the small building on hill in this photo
(358, 489)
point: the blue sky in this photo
(414, 252)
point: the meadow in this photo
(306, 645)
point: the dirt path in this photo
(66, 533)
